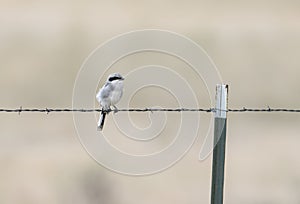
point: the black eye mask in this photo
(114, 78)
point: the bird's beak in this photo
(122, 78)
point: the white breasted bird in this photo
(109, 95)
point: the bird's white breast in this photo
(116, 94)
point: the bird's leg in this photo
(115, 109)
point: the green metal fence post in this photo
(218, 164)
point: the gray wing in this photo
(104, 92)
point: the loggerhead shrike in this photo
(109, 95)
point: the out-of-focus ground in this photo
(256, 47)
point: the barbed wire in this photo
(208, 110)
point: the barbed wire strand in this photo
(208, 110)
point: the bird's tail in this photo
(101, 120)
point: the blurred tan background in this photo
(256, 47)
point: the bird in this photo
(109, 95)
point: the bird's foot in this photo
(115, 109)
